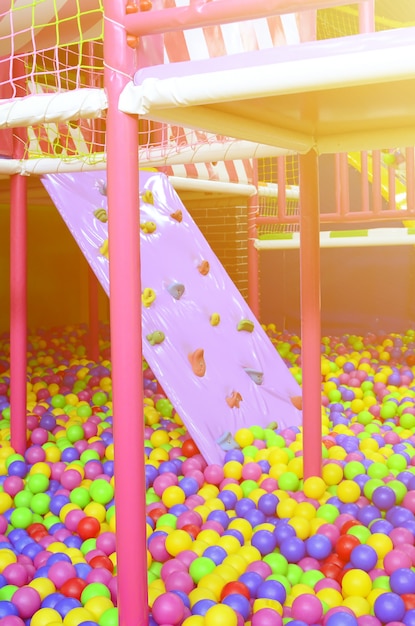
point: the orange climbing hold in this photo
(197, 361)
(234, 400)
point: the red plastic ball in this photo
(349, 524)
(330, 570)
(88, 528)
(73, 588)
(189, 448)
(409, 600)
(344, 546)
(102, 561)
(235, 587)
(191, 529)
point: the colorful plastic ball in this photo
(88, 527)
(273, 590)
(402, 581)
(363, 557)
(178, 541)
(389, 607)
(384, 498)
(202, 606)
(101, 491)
(27, 601)
(168, 608)
(318, 546)
(43, 617)
(356, 582)
(308, 608)
(221, 615)
(239, 604)
(266, 617)
(200, 567)
(341, 618)
(264, 540)
(293, 549)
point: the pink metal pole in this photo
(18, 287)
(125, 312)
(410, 179)
(253, 254)
(376, 183)
(211, 13)
(310, 313)
(18, 310)
(364, 183)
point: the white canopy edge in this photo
(57, 107)
(334, 239)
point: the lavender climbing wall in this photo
(210, 354)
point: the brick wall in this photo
(224, 222)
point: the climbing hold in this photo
(246, 325)
(148, 296)
(204, 268)
(197, 361)
(101, 185)
(148, 227)
(148, 197)
(156, 337)
(273, 425)
(176, 290)
(104, 250)
(101, 215)
(227, 442)
(177, 215)
(215, 319)
(297, 401)
(234, 400)
(256, 376)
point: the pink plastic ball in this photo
(396, 559)
(60, 572)
(179, 581)
(168, 608)
(27, 601)
(307, 608)
(16, 574)
(214, 474)
(266, 617)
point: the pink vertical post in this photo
(125, 313)
(364, 183)
(253, 255)
(342, 184)
(18, 287)
(410, 179)
(310, 313)
(376, 182)
(367, 16)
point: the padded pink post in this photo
(253, 256)
(310, 313)
(18, 310)
(18, 286)
(125, 317)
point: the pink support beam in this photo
(410, 180)
(310, 313)
(210, 13)
(125, 315)
(18, 311)
(253, 254)
(18, 287)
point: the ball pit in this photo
(246, 542)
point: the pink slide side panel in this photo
(201, 340)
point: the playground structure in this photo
(68, 107)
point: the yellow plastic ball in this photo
(232, 469)
(314, 487)
(360, 606)
(173, 495)
(356, 582)
(76, 616)
(220, 615)
(243, 437)
(44, 617)
(332, 474)
(331, 597)
(97, 606)
(348, 491)
(243, 526)
(382, 544)
(43, 586)
(301, 526)
(178, 541)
